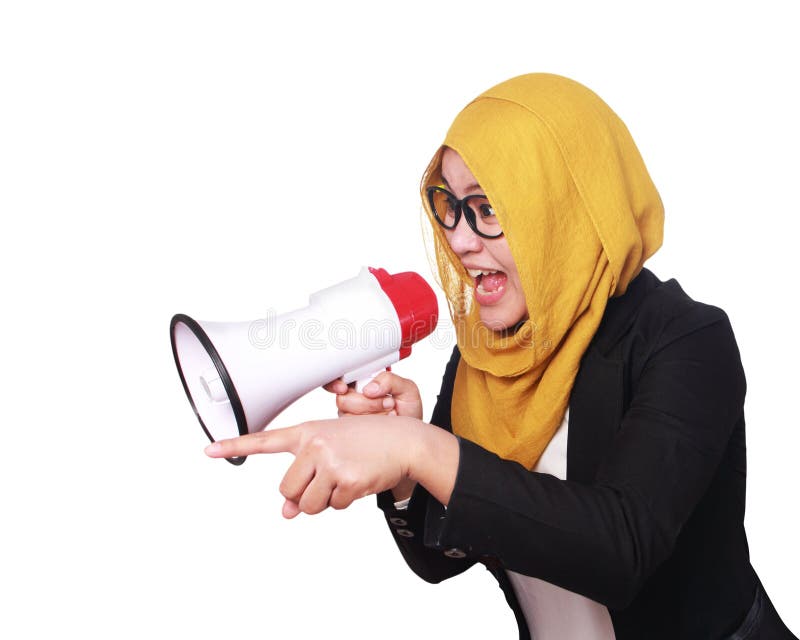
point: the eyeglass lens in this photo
(477, 209)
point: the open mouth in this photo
(489, 285)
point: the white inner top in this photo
(553, 613)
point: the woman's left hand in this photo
(336, 461)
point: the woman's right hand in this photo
(387, 394)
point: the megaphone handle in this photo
(363, 382)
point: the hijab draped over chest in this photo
(580, 214)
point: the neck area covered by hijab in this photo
(580, 215)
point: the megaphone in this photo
(239, 376)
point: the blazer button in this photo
(455, 553)
(405, 533)
(398, 522)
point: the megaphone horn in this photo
(239, 375)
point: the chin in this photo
(497, 321)
(495, 324)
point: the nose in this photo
(463, 239)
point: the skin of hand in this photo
(338, 461)
(387, 394)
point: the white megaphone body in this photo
(239, 376)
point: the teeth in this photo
(483, 291)
(474, 273)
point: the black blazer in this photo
(650, 519)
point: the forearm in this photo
(538, 525)
(434, 462)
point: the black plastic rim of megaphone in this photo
(236, 403)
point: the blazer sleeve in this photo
(430, 561)
(604, 539)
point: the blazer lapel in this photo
(596, 401)
(595, 412)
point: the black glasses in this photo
(447, 210)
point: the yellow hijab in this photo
(580, 215)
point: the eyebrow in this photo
(470, 187)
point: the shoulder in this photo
(679, 342)
(656, 312)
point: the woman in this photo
(589, 442)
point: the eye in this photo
(450, 210)
(487, 212)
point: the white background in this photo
(224, 158)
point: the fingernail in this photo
(213, 448)
(372, 387)
(388, 403)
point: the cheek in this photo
(511, 269)
(520, 302)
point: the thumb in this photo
(388, 383)
(290, 509)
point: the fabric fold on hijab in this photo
(581, 215)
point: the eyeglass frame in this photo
(460, 206)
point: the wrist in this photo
(433, 463)
(404, 489)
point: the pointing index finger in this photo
(274, 441)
